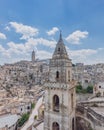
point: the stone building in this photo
(98, 89)
(8, 122)
(60, 98)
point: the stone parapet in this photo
(57, 85)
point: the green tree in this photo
(32, 105)
(90, 89)
(23, 119)
(35, 117)
(79, 88)
(84, 91)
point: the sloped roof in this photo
(60, 50)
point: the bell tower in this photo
(60, 98)
(33, 56)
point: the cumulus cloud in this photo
(41, 41)
(76, 36)
(22, 51)
(29, 45)
(16, 48)
(1, 48)
(26, 31)
(42, 54)
(14, 52)
(19, 51)
(52, 31)
(83, 55)
(83, 52)
(2, 36)
(7, 28)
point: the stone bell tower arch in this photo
(60, 97)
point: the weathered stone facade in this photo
(60, 99)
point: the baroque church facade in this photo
(60, 96)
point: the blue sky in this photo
(34, 24)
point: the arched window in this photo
(57, 74)
(55, 103)
(99, 86)
(55, 126)
(68, 75)
(42, 113)
(58, 49)
(28, 107)
(72, 100)
(73, 124)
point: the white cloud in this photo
(15, 47)
(22, 51)
(76, 36)
(83, 52)
(2, 36)
(1, 48)
(83, 55)
(29, 45)
(100, 49)
(52, 31)
(41, 41)
(7, 28)
(26, 31)
(42, 54)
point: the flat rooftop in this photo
(8, 119)
(97, 99)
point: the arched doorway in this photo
(55, 126)
(55, 103)
(43, 114)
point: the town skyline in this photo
(36, 25)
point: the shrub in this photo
(90, 89)
(98, 94)
(94, 105)
(32, 105)
(35, 117)
(23, 119)
(79, 87)
(84, 91)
